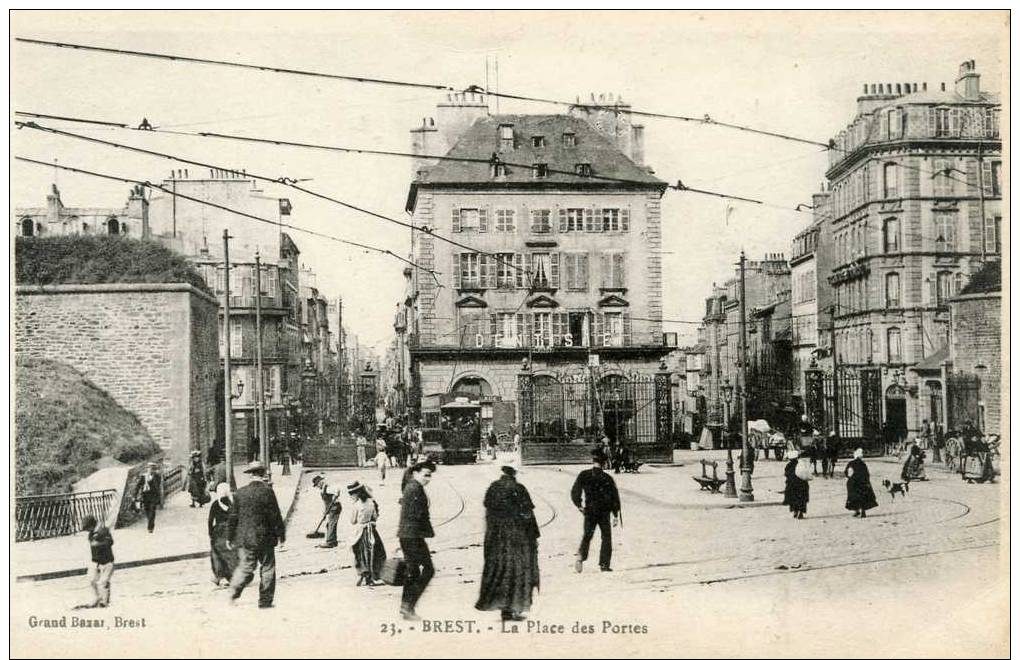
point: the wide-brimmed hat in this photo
(356, 486)
(255, 467)
(316, 480)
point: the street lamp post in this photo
(731, 485)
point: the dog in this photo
(901, 487)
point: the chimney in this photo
(613, 121)
(53, 205)
(138, 209)
(968, 84)
(637, 147)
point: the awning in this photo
(934, 361)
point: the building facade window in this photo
(541, 222)
(894, 349)
(991, 174)
(541, 270)
(993, 235)
(892, 290)
(582, 169)
(505, 275)
(613, 270)
(943, 287)
(470, 276)
(569, 140)
(538, 141)
(945, 229)
(891, 235)
(576, 265)
(236, 338)
(895, 118)
(942, 178)
(506, 220)
(890, 181)
(540, 170)
(614, 329)
(466, 219)
(506, 137)
(571, 219)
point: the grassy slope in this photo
(64, 424)
(99, 259)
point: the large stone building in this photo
(563, 266)
(55, 219)
(767, 310)
(916, 209)
(296, 359)
(810, 297)
(975, 353)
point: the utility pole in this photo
(746, 489)
(835, 373)
(260, 392)
(228, 395)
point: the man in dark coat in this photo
(415, 526)
(600, 499)
(149, 493)
(196, 480)
(254, 527)
(510, 573)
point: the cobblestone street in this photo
(683, 562)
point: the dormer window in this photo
(569, 140)
(540, 170)
(582, 169)
(506, 137)
(538, 141)
(500, 171)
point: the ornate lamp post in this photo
(731, 485)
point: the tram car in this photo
(451, 432)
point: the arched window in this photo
(890, 181)
(112, 226)
(894, 348)
(891, 235)
(473, 389)
(892, 290)
(27, 227)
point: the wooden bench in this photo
(713, 483)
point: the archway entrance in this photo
(896, 412)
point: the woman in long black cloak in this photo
(860, 496)
(510, 575)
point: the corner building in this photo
(561, 296)
(916, 195)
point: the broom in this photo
(317, 534)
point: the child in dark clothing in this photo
(101, 564)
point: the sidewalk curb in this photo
(185, 556)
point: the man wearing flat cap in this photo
(254, 527)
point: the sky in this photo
(796, 73)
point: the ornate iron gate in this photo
(859, 405)
(579, 405)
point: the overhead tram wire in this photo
(441, 87)
(149, 184)
(678, 186)
(284, 181)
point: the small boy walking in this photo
(101, 567)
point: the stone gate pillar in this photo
(525, 399)
(663, 404)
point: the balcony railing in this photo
(46, 516)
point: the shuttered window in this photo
(506, 220)
(613, 267)
(505, 276)
(576, 266)
(541, 221)
(572, 219)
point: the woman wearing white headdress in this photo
(860, 496)
(222, 556)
